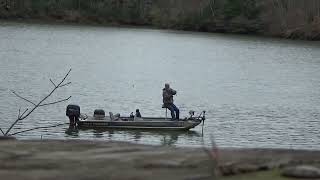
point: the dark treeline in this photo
(286, 18)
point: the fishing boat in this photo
(100, 120)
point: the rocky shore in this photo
(74, 159)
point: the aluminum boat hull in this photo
(139, 123)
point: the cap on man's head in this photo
(166, 85)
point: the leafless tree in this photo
(24, 114)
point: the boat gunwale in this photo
(143, 119)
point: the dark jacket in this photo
(167, 95)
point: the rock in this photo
(245, 168)
(227, 169)
(302, 171)
(162, 164)
(233, 168)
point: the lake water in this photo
(258, 92)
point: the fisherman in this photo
(138, 114)
(167, 94)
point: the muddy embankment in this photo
(294, 19)
(74, 159)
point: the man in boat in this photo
(167, 95)
(138, 114)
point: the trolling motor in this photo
(73, 112)
(204, 115)
(201, 117)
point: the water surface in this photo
(258, 92)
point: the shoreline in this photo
(82, 159)
(143, 27)
(263, 18)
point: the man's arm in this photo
(173, 92)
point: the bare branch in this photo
(1, 131)
(65, 84)
(23, 113)
(19, 113)
(16, 121)
(53, 83)
(64, 77)
(66, 99)
(39, 103)
(22, 97)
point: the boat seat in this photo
(111, 116)
(98, 117)
(163, 106)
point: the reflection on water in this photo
(168, 137)
(169, 140)
(98, 134)
(72, 131)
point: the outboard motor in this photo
(73, 112)
(204, 115)
(99, 114)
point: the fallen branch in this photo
(26, 113)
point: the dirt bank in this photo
(52, 159)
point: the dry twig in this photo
(26, 113)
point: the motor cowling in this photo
(73, 112)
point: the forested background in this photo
(286, 18)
